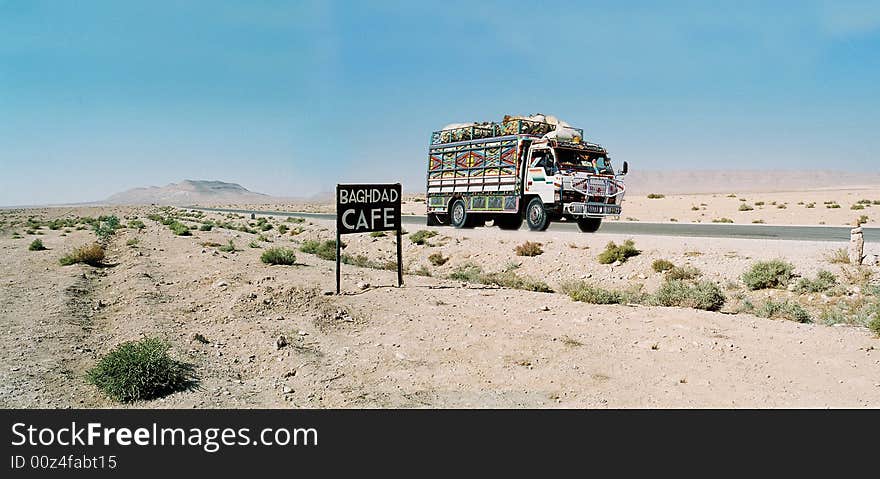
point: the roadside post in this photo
(364, 209)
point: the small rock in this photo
(545, 308)
(252, 295)
(327, 292)
(221, 284)
(281, 342)
(287, 390)
(279, 318)
(363, 285)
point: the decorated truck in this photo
(536, 169)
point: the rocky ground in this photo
(274, 338)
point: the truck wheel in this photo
(589, 225)
(435, 219)
(509, 222)
(458, 215)
(536, 215)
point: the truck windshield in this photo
(584, 161)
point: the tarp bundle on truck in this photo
(538, 125)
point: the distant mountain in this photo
(189, 192)
(642, 182)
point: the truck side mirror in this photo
(625, 168)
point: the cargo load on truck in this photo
(533, 168)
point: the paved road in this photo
(713, 230)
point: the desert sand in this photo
(435, 342)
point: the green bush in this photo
(588, 293)
(206, 227)
(310, 246)
(683, 273)
(469, 272)
(509, 279)
(437, 259)
(132, 242)
(420, 237)
(874, 325)
(529, 248)
(91, 254)
(228, 247)
(661, 265)
(278, 255)
(377, 234)
(179, 228)
(37, 245)
(824, 281)
(614, 253)
(105, 226)
(656, 196)
(473, 273)
(784, 310)
(768, 274)
(282, 229)
(325, 250)
(136, 224)
(722, 220)
(701, 295)
(745, 207)
(360, 261)
(140, 370)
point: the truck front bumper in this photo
(592, 210)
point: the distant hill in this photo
(743, 181)
(189, 192)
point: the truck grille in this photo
(592, 209)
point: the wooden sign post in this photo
(367, 208)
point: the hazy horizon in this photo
(695, 181)
(289, 99)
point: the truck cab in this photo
(571, 180)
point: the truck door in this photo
(540, 172)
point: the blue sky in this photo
(289, 98)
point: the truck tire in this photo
(509, 222)
(536, 215)
(589, 225)
(435, 219)
(458, 216)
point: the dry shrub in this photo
(437, 259)
(90, 254)
(529, 248)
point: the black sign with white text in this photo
(366, 208)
